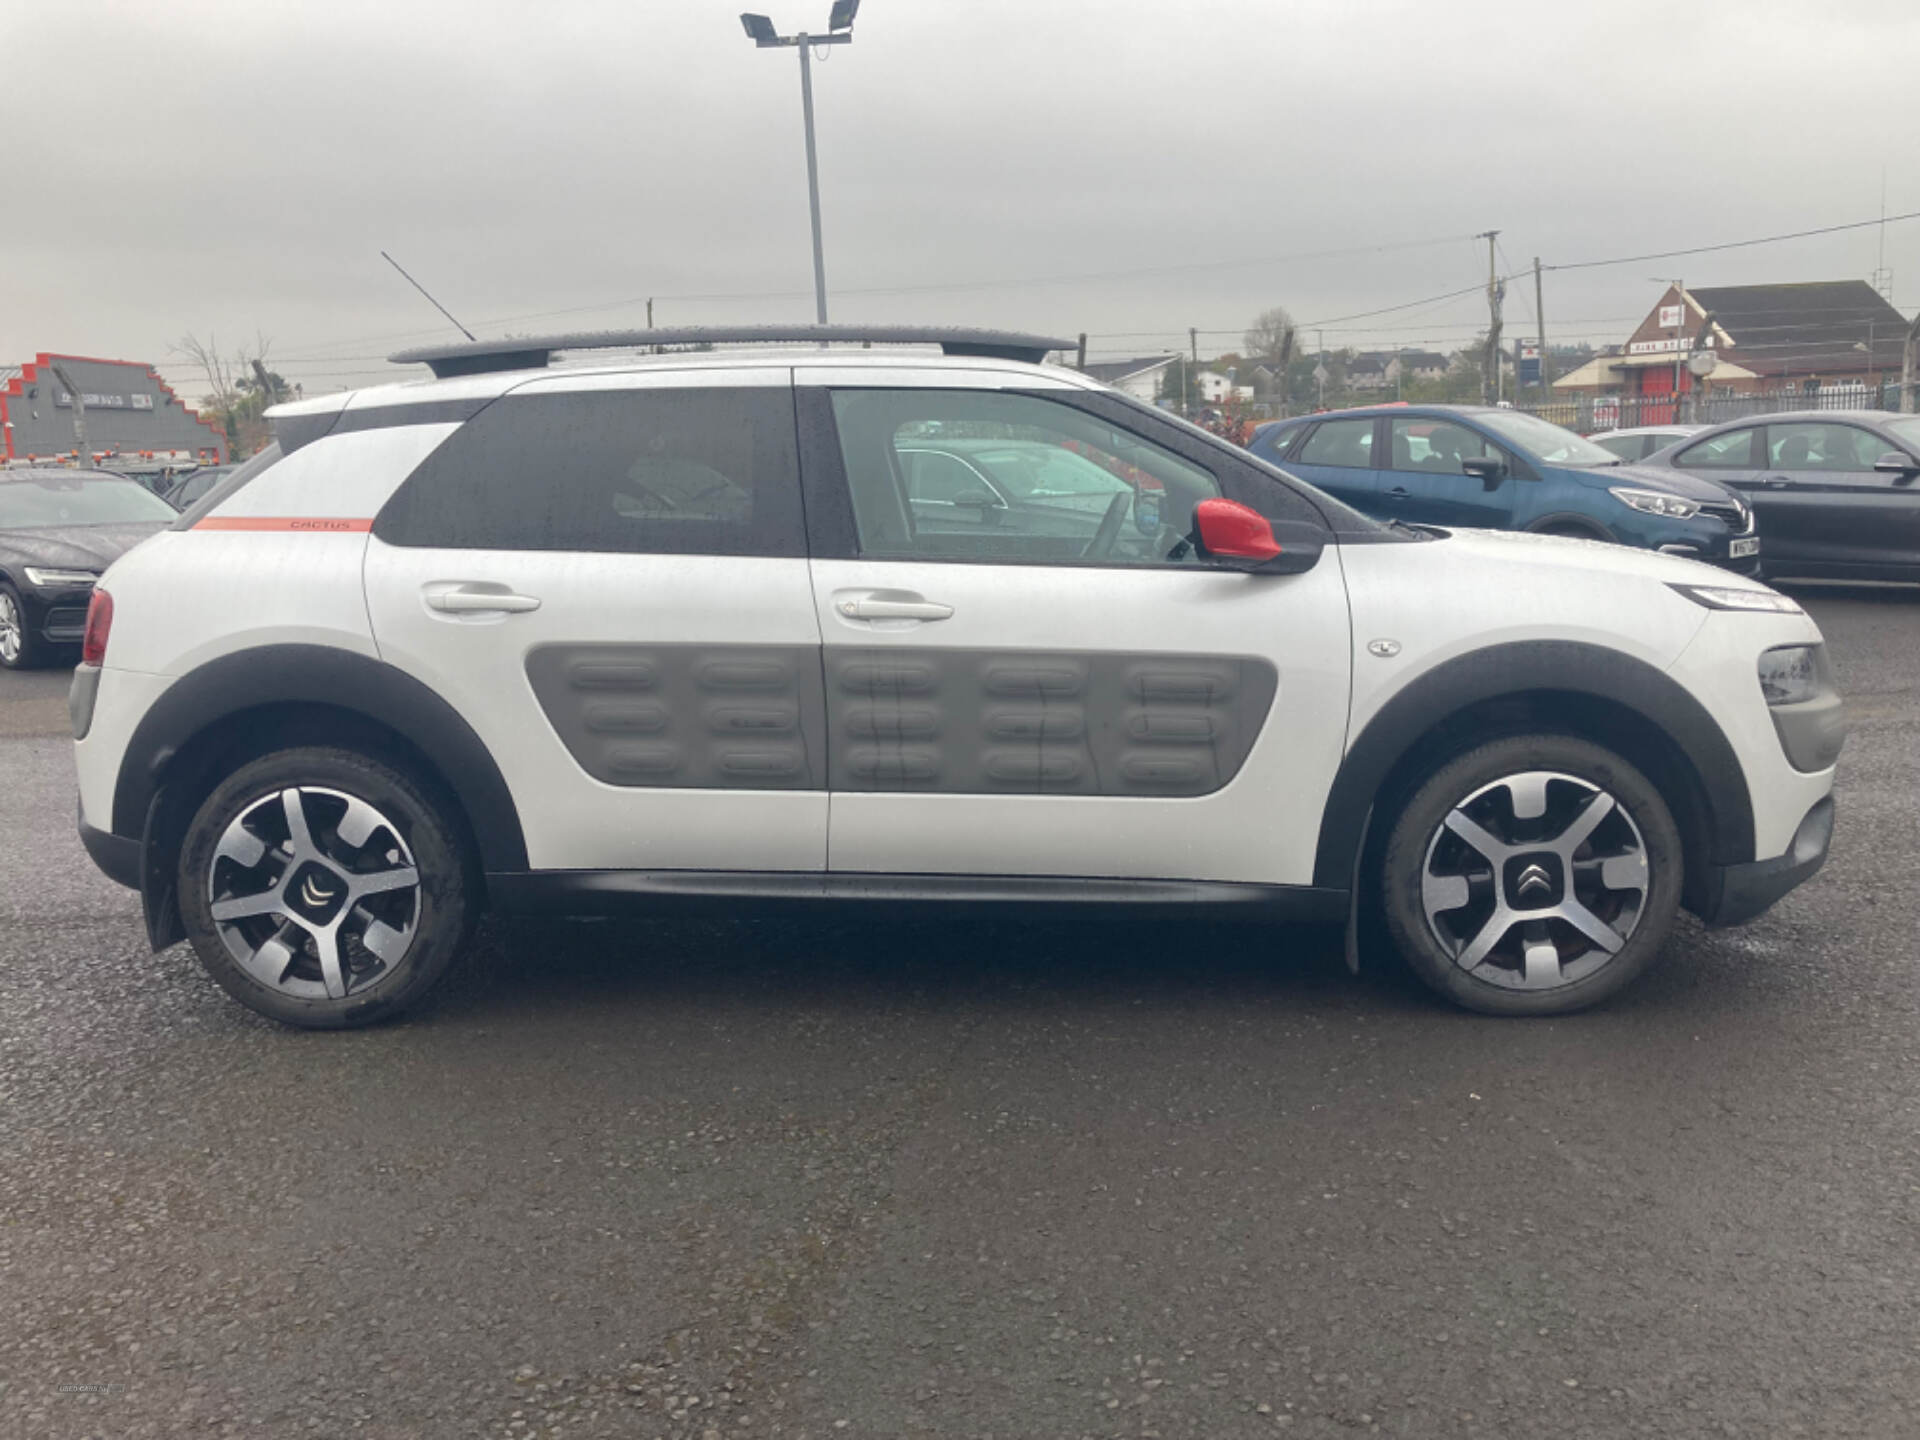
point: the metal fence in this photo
(1591, 413)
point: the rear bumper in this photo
(1737, 893)
(116, 855)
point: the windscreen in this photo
(1543, 440)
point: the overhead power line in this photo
(1736, 244)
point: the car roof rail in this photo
(533, 352)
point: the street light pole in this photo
(839, 32)
(813, 186)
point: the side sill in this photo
(603, 892)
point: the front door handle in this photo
(477, 599)
(890, 605)
(1398, 492)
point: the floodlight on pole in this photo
(839, 32)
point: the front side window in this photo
(989, 476)
(1822, 447)
(707, 471)
(1346, 443)
(61, 498)
(1434, 447)
(1731, 451)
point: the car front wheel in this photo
(1535, 875)
(20, 648)
(324, 888)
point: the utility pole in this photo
(1540, 317)
(1490, 382)
(1679, 334)
(1909, 363)
(1080, 355)
(80, 411)
(1193, 344)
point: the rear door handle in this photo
(478, 599)
(1398, 492)
(890, 605)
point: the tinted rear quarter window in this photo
(671, 471)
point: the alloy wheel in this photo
(314, 892)
(1535, 881)
(12, 630)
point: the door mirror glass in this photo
(1233, 536)
(1489, 469)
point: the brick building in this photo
(130, 410)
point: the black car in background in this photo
(1836, 492)
(58, 530)
(194, 484)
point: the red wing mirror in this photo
(1232, 531)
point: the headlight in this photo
(1725, 597)
(1654, 502)
(1791, 674)
(43, 578)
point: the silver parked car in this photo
(1642, 440)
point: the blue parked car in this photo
(1493, 469)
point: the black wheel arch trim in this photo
(325, 676)
(1520, 668)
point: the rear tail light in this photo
(93, 645)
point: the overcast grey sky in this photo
(1128, 169)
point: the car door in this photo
(606, 576)
(1338, 456)
(1068, 691)
(1424, 482)
(1836, 511)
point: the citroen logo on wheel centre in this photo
(314, 893)
(1534, 880)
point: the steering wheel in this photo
(1101, 545)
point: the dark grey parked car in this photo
(1836, 492)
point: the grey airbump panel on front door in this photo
(732, 717)
(1041, 722)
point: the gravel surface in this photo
(891, 1173)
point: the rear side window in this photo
(667, 471)
(1732, 451)
(1339, 442)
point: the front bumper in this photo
(58, 615)
(1736, 893)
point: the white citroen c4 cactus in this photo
(912, 624)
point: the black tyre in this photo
(324, 889)
(1532, 876)
(20, 648)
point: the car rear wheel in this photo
(1535, 875)
(323, 888)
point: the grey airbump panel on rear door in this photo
(1041, 722)
(729, 717)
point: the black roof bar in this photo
(534, 351)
